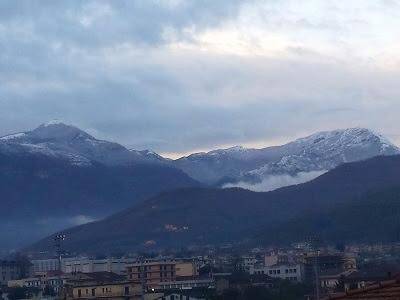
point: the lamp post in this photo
(58, 239)
(313, 242)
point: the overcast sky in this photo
(178, 76)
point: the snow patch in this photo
(12, 136)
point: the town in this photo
(302, 271)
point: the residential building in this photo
(150, 274)
(103, 285)
(118, 290)
(369, 275)
(273, 258)
(383, 290)
(331, 280)
(52, 279)
(292, 272)
(186, 270)
(248, 262)
(326, 262)
(87, 265)
(45, 265)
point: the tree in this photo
(21, 293)
(49, 291)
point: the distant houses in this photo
(326, 272)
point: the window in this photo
(127, 290)
(93, 292)
(79, 293)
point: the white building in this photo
(86, 265)
(292, 272)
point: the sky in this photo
(180, 76)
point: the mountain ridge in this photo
(201, 216)
(321, 151)
(69, 142)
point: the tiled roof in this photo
(98, 277)
(384, 290)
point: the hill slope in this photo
(202, 216)
(374, 217)
(41, 194)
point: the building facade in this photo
(120, 290)
(150, 274)
(86, 265)
(45, 265)
(292, 272)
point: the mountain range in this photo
(57, 175)
(292, 163)
(256, 169)
(336, 204)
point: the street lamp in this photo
(58, 239)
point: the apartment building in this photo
(118, 290)
(151, 273)
(101, 285)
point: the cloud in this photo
(176, 76)
(80, 220)
(274, 182)
(65, 221)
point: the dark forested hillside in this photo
(375, 217)
(40, 194)
(201, 216)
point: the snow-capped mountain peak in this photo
(315, 153)
(56, 138)
(342, 139)
(58, 131)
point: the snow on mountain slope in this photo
(69, 142)
(256, 169)
(295, 162)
